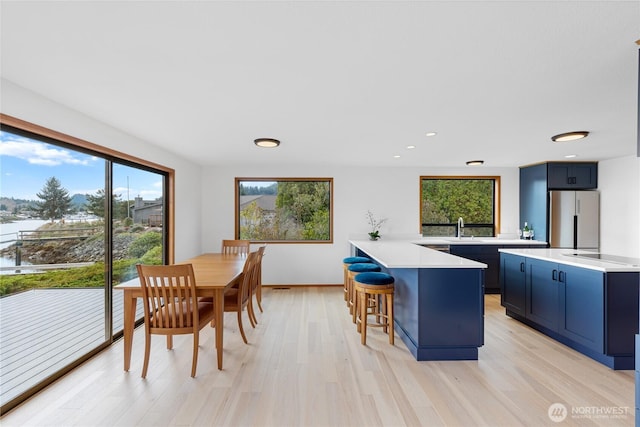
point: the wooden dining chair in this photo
(256, 284)
(171, 306)
(237, 298)
(237, 247)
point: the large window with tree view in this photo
(284, 209)
(475, 199)
(74, 222)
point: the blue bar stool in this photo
(352, 270)
(369, 287)
(346, 262)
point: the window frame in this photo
(496, 198)
(239, 180)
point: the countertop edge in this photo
(557, 256)
(412, 255)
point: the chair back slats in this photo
(236, 247)
(169, 295)
(257, 276)
(248, 273)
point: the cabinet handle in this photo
(554, 275)
(562, 277)
(522, 267)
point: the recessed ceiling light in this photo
(410, 147)
(475, 162)
(570, 136)
(432, 133)
(570, 156)
(396, 156)
(266, 142)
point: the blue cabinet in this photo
(487, 254)
(589, 310)
(542, 293)
(567, 300)
(581, 304)
(572, 176)
(513, 280)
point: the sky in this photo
(26, 165)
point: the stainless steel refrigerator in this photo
(574, 219)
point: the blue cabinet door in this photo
(512, 281)
(542, 293)
(582, 306)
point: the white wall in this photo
(392, 193)
(619, 185)
(26, 105)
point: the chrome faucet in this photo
(460, 228)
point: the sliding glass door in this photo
(63, 246)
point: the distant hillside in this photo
(9, 204)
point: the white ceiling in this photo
(350, 83)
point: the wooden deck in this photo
(43, 330)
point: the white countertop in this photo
(407, 254)
(474, 241)
(564, 256)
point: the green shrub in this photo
(153, 256)
(83, 277)
(144, 243)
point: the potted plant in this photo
(375, 224)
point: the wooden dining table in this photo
(214, 272)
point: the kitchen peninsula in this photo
(438, 301)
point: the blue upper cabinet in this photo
(572, 176)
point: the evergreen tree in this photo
(95, 204)
(55, 200)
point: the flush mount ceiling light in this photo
(475, 162)
(266, 142)
(431, 133)
(570, 136)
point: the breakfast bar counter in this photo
(438, 298)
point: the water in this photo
(8, 235)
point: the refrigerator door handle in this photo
(575, 232)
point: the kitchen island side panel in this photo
(439, 313)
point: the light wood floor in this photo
(305, 366)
